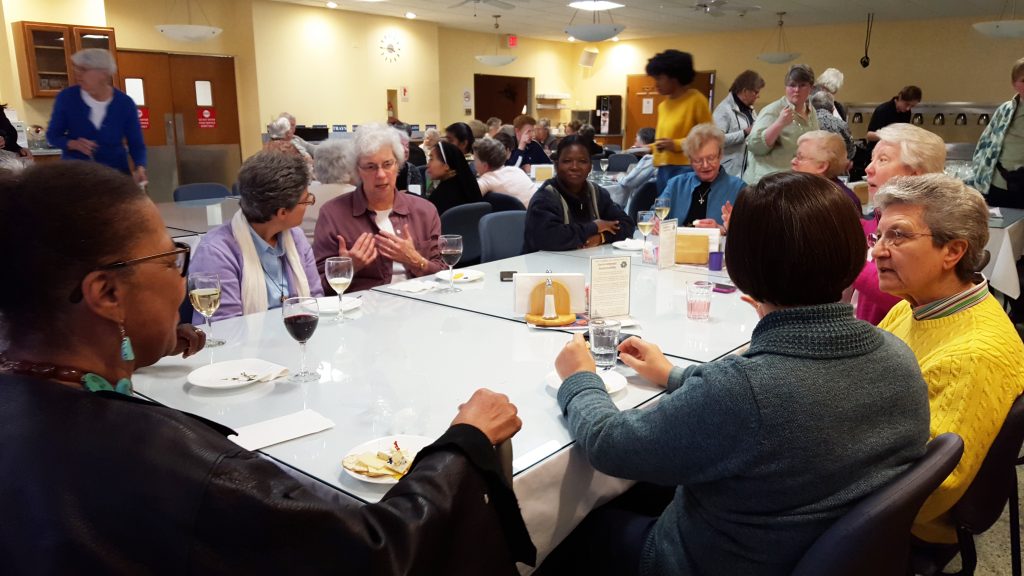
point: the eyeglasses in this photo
(310, 199)
(181, 258)
(893, 237)
(387, 166)
(709, 161)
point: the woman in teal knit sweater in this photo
(768, 448)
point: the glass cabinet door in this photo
(48, 59)
(86, 37)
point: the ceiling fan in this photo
(718, 8)
(496, 3)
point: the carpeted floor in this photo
(994, 546)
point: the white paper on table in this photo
(609, 287)
(413, 286)
(995, 212)
(523, 284)
(713, 235)
(289, 427)
(667, 243)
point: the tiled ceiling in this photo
(648, 18)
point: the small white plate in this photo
(329, 304)
(236, 373)
(461, 276)
(613, 381)
(632, 245)
(411, 443)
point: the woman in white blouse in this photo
(489, 155)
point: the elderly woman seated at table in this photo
(331, 168)
(409, 178)
(699, 197)
(261, 255)
(765, 449)
(452, 183)
(388, 234)
(822, 153)
(772, 140)
(568, 211)
(903, 150)
(168, 491)
(929, 244)
(492, 174)
(430, 139)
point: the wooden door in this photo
(151, 72)
(199, 128)
(640, 87)
(500, 96)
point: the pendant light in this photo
(189, 32)
(596, 31)
(781, 55)
(1009, 28)
(496, 59)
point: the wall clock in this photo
(390, 48)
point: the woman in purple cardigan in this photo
(262, 256)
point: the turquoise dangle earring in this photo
(127, 352)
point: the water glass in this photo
(698, 299)
(604, 342)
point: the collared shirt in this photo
(273, 269)
(944, 307)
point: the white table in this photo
(423, 360)
(198, 216)
(657, 302)
(1005, 245)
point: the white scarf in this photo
(254, 284)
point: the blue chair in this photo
(501, 235)
(619, 162)
(464, 220)
(642, 200)
(503, 202)
(201, 191)
(874, 536)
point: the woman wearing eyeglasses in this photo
(389, 235)
(929, 244)
(771, 143)
(97, 481)
(262, 256)
(451, 181)
(700, 197)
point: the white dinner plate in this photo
(411, 443)
(613, 381)
(461, 276)
(633, 245)
(236, 373)
(329, 304)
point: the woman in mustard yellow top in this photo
(684, 108)
(930, 241)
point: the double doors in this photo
(189, 114)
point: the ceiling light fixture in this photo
(332, 5)
(782, 53)
(190, 32)
(615, 38)
(495, 59)
(595, 5)
(595, 31)
(1009, 28)
(410, 15)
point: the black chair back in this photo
(619, 162)
(503, 202)
(464, 220)
(423, 176)
(874, 536)
(201, 191)
(642, 200)
(501, 234)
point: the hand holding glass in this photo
(204, 294)
(604, 342)
(451, 252)
(301, 315)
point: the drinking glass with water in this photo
(604, 341)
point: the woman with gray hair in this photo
(771, 144)
(489, 156)
(831, 81)
(261, 256)
(389, 235)
(91, 120)
(822, 153)
(929, 246)
(735, 116)
(700, 197)
(824, 105)
(331, 164)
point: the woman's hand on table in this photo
(575, 357)
(595, 240)
(399, 248)
(83, 145)
(647, 359)
(492, 414)
(607, 226)
(190, 341)
(362, 253)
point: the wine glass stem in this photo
(341, 309)
(302, 360)
(451, 278)
(209, 327)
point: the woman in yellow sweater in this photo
(684, 108)
(929, 243)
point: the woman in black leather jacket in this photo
(98, 481)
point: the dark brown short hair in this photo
(910, 94)
(793, 241)
(523, 120)
(747, 80)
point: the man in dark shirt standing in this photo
(528, 152)
(894, 111)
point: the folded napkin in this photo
(414, 286)
(297, 425)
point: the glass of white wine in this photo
(451, 252)
(204, 293)
(662, 206)
(604, 165)
(338, 271)
(645, 222)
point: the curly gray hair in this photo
(700, 135)
(951, 210)
(332, 161)
(269, 181)
(371, 139)
(279, 128)
(95, 59)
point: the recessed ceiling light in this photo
(571, 39)
(595, 5)
(410, 15)
(332, 4)
(615, 38)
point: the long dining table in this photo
(402, 363)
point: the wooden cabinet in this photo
(44, 54)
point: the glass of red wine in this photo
(301, 315)
(451, 252)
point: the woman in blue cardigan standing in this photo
(92, 120)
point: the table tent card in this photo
(609, 287)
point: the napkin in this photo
(995, 212)
(414, 286)
(277, 430)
